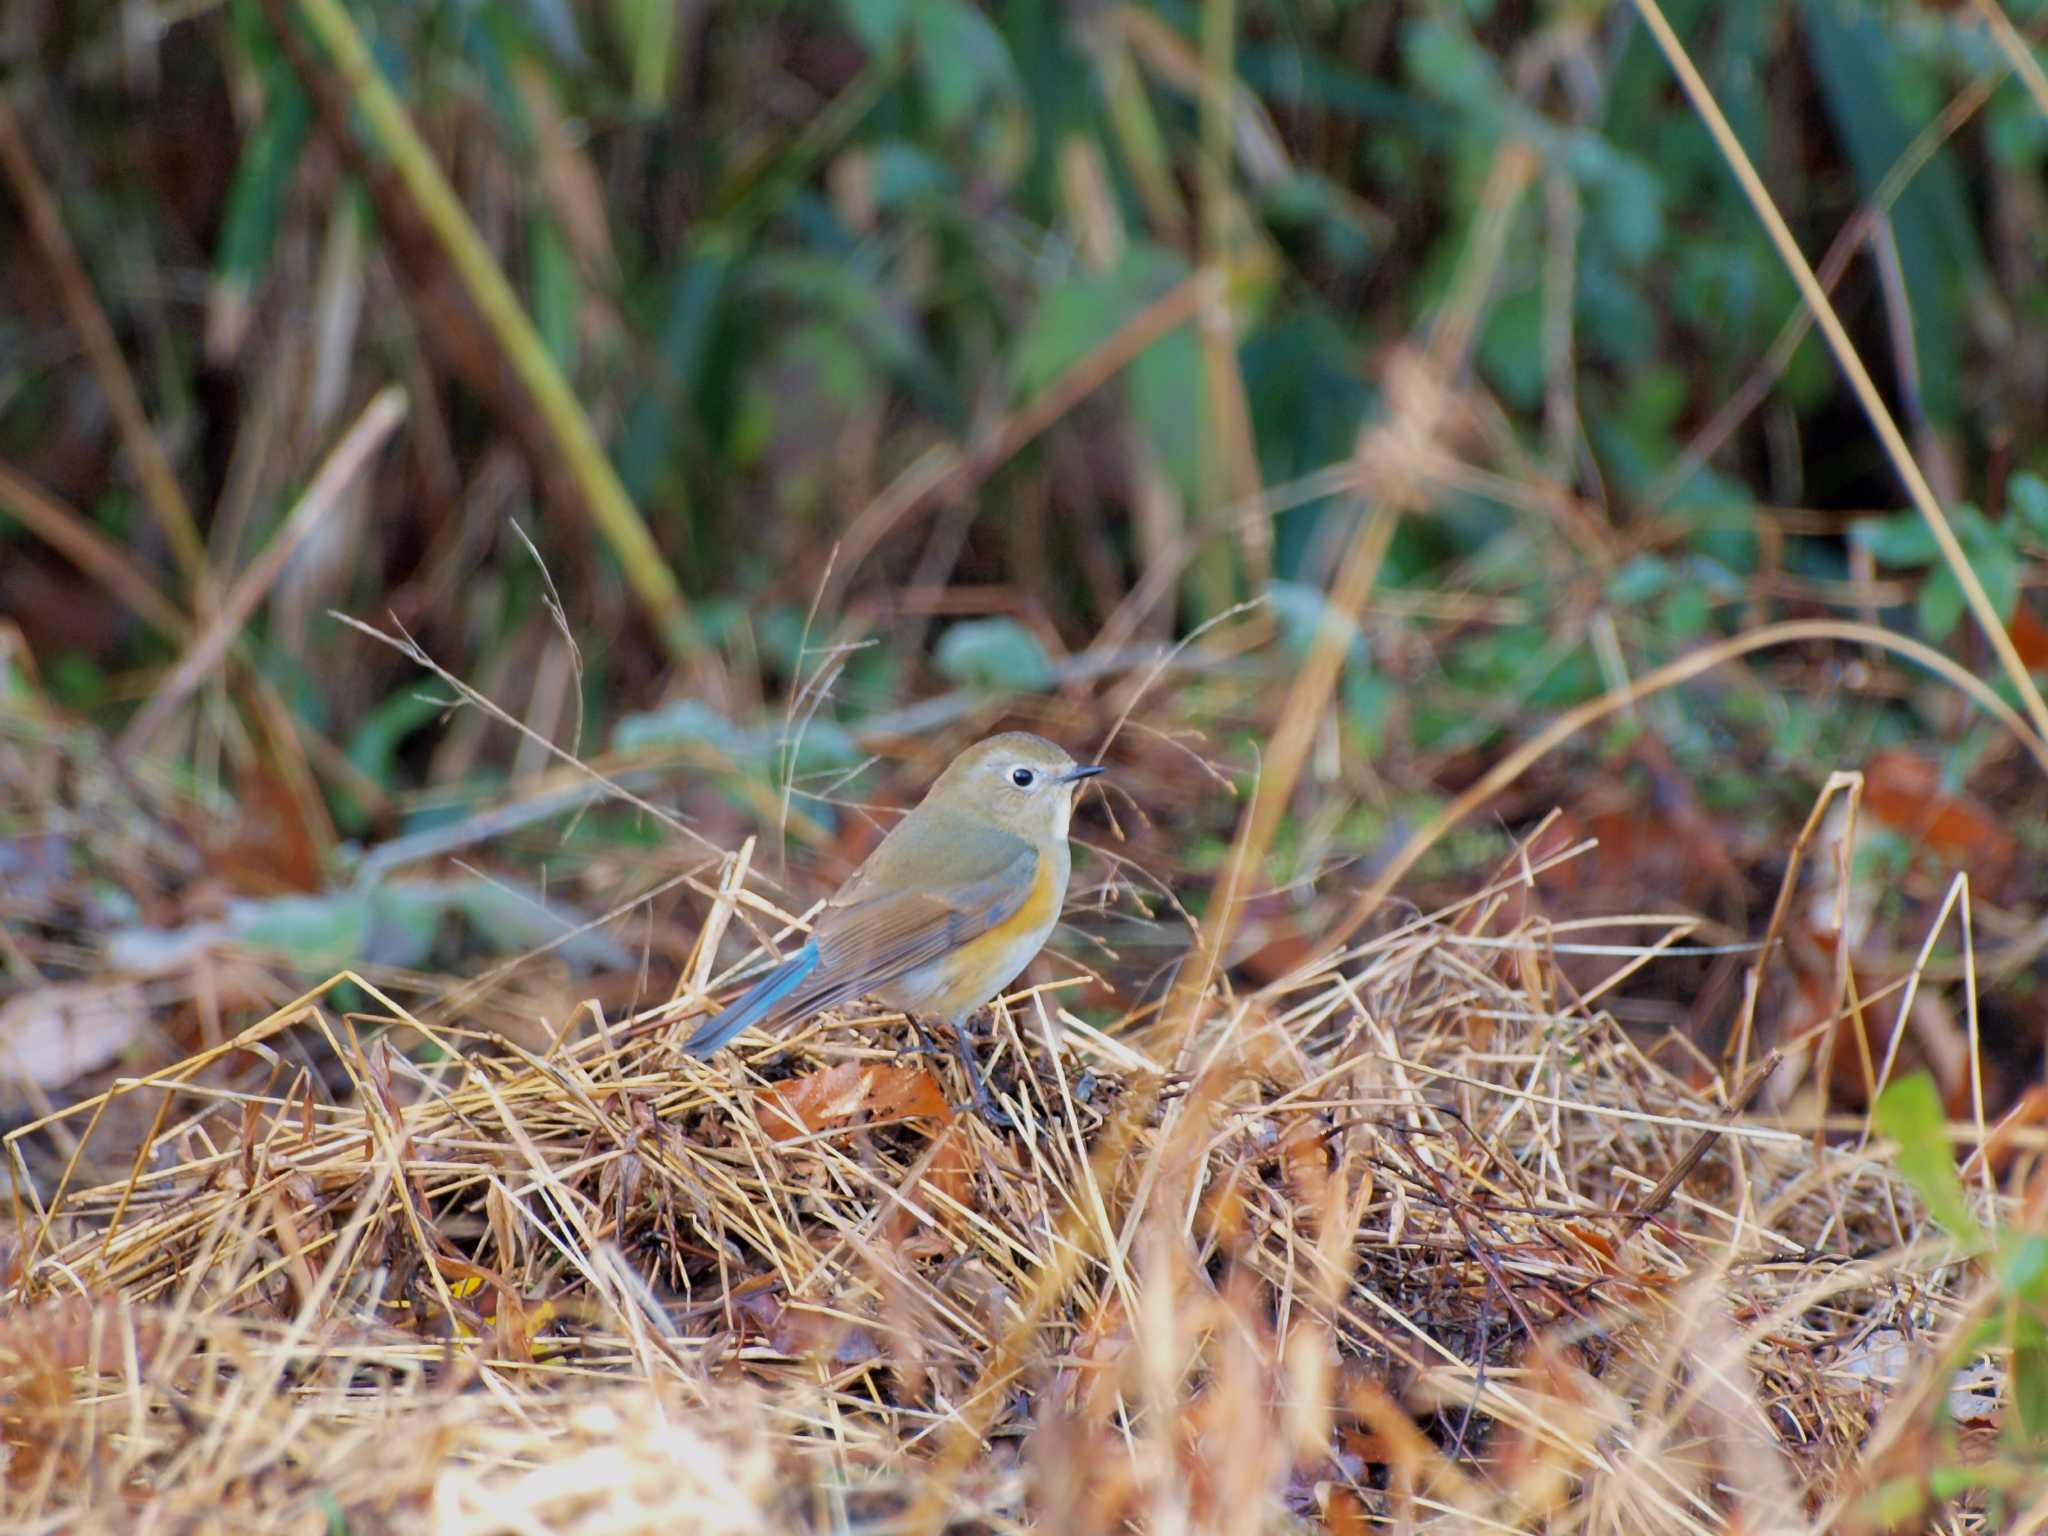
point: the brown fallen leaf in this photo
(1903, 791)
(56, 1034)
(2029, 637)
(905, 1089)
(890, 1091)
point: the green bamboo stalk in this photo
(617, 519)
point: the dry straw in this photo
(1420, 1236)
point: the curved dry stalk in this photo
(1572, 721)
(2017, 52)
(1850, 362)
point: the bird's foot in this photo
(982, 1102)
(926, 1045)
(979, 1100)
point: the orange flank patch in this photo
(984, 964)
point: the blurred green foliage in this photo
(789, 251)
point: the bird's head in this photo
(1019, 782)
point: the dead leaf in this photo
(891, 1091)
(1903, 791)
(802, 1105)
(2029, 637)
(56, 1034)
(901, 1090)
(271, 848)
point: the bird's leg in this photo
(926, 1045)
(979, 1099)
(982, 1103)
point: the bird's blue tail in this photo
(759, 1002)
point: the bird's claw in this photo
(992, 1114)
(979, 1100)
(982, 1102)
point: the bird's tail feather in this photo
(757, 1004)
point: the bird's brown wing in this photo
(873, 932)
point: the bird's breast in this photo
(957, 983)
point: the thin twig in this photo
(610, 508)
(379, 419)
(153, 470)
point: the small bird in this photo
(948, 909)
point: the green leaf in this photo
(2028, 1366)
(1164, 382)
(1305, 201)
(321, 934)
(1075, 315)
(1988, 548)
(877, 23)
(999, 655)
(262, 182)
(1900, 541)
(1302, 610)
(762, 751)
(1445, 61)
(1639, 580)
(1895, 1502)
(686, 722)
(1998, 568)
(1909, 1112)
(1511, 347)
(1171, 406)
(551, 25)
(872, 334)
(961, 58)
(1939, 606)
(512, 919)
(1307, 401)
(373, 745)
(903, 175)
(2016, 133)
(648, 30)
(1624, 199)
(1285, 73)
(2023, 1265)
(2027, 495)
(1879, 94)
(693, 375)
(1369, 698)
(1956, 1479)
(1686, 611)
(557, 289)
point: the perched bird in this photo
(946, 911)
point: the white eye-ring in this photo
(1023, 778)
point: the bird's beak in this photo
(1082, 771)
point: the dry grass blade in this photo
(610, 508)
(379, 419)
(85, 547)
(152, 468)
(947, 472)
(2016, 50)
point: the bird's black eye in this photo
(1023, 778)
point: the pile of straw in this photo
(1417, 1235)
